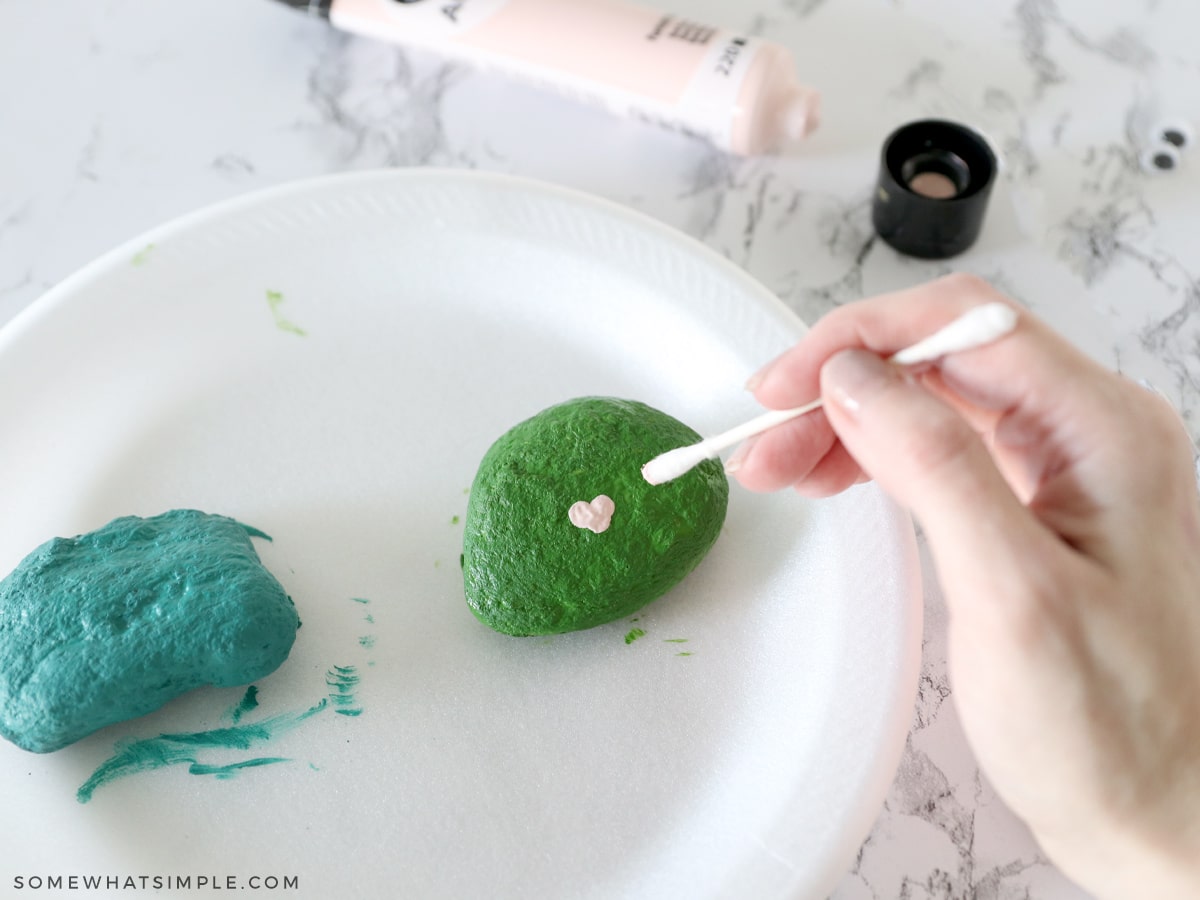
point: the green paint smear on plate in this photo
(248, 702)
(675, 640)
(134, 756)
(684, 653)
(363, 600)
(633, 635)
(142, 256)
(274, 301)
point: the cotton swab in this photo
(975, 328)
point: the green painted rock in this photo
(529, 569)
(111, 625)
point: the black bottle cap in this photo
(935, 178)
(312, 7)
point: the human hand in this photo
(1060, 506)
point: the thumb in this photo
(928, 458)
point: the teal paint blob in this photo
(367, 641)
(249, 702)
(675, 640)
(135, 756)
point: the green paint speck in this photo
(633, 635)
(142, 256)
(683, 653)
(454, 520)
(675, 640)
(274, 301)
(369, 619)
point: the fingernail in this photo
(739, 455)
(755, 381)
(852, 375)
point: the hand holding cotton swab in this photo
(975, 328)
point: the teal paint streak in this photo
(133, 757)
(361, 600)
(343, 682)
(249, 702)
(226, 772)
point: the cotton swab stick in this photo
(975, 328)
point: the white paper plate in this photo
(438, 309)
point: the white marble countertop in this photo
(120, 114)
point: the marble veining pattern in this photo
(145, 111)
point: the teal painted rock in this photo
(113, 624)
(531, 565)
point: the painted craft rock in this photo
(111, 625)
(563, 533)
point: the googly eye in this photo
(1161, 157)
(1176, 132)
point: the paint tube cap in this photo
(935, 178)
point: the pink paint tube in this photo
(739, 92)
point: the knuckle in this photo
(967, 283)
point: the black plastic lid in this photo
(312, 7)
(935, 178)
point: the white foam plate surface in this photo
(438, 309)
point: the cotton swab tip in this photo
(975, 328)
(670, 465)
